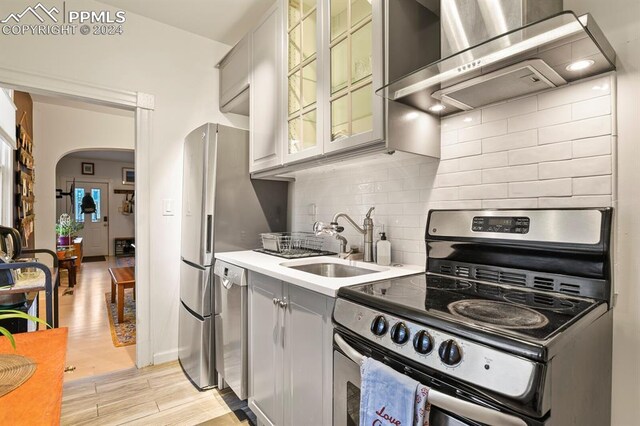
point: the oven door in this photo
(460, 409)
(346, 396)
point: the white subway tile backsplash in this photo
(575, 130)
(518, 203)
(484, 161)
(484, 130)
(460, 178)
(510, 141)
(449, 166)
(481, 192)
(590, 166)
(548, 150)
(448, 137)
(444, 194)
(588, 201)
(510, 174)
(538, 188)
(539, 154)
(592, 185)
(534, 120)
(510, 109)
(575, 92)
(592, 147)
(460, 121)
(591, 108)
(461, 150)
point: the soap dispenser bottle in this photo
(383, 247)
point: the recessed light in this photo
(437, 108)
(580, 65)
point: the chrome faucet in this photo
(334, 229)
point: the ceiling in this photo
(225, 21)
(108, 155)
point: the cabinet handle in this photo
(276, 301)
(283, 304)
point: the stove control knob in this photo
(379, 326)
(400, 333)
(422, 342)
(450, 353)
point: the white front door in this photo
(95, 233)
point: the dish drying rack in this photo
(292, 245)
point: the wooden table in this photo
(122, 278)
(69, 263)
(38, 401)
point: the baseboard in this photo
(166, 356)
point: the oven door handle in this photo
(457, 406)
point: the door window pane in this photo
(95, 194)
(294, 92)
(339, 18)
(309, 78)
(360, 9)
(294, 47)
(339, 66)
(309, 129)
(309, 36)
(294, 135)
(79, 193)
(361, 110)
(361, 45)
(340, 118)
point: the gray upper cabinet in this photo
(267, 78)
(234, 79)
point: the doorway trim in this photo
(143, 104)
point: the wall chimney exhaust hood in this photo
(547, 53)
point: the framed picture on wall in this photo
(128, 176)
(88, 168)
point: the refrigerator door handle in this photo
(194, 265)
(209, 232)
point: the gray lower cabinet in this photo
(290, 353)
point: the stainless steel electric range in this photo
(511, 324)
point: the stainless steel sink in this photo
(333, 270)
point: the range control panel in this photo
(504, 224)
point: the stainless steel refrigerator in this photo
(222, 210)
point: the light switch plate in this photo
(167, 207)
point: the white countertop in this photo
(273, 266)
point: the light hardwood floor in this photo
(90, 348)
(157, 395)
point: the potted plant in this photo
(66, 231)
(10, 313)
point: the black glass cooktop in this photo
(524, 314)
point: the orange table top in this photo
(39, 400)
(124, 275)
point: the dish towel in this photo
(389, 398)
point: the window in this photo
(79, 195)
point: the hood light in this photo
(437, 108)
(580, 65)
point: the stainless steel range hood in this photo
(547, 53)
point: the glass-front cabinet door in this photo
(353, 46)
(303, 65)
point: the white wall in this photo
(120, 225)
(553, 149)
(178, 68)
(620, 22)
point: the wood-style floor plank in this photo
(156, 395)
